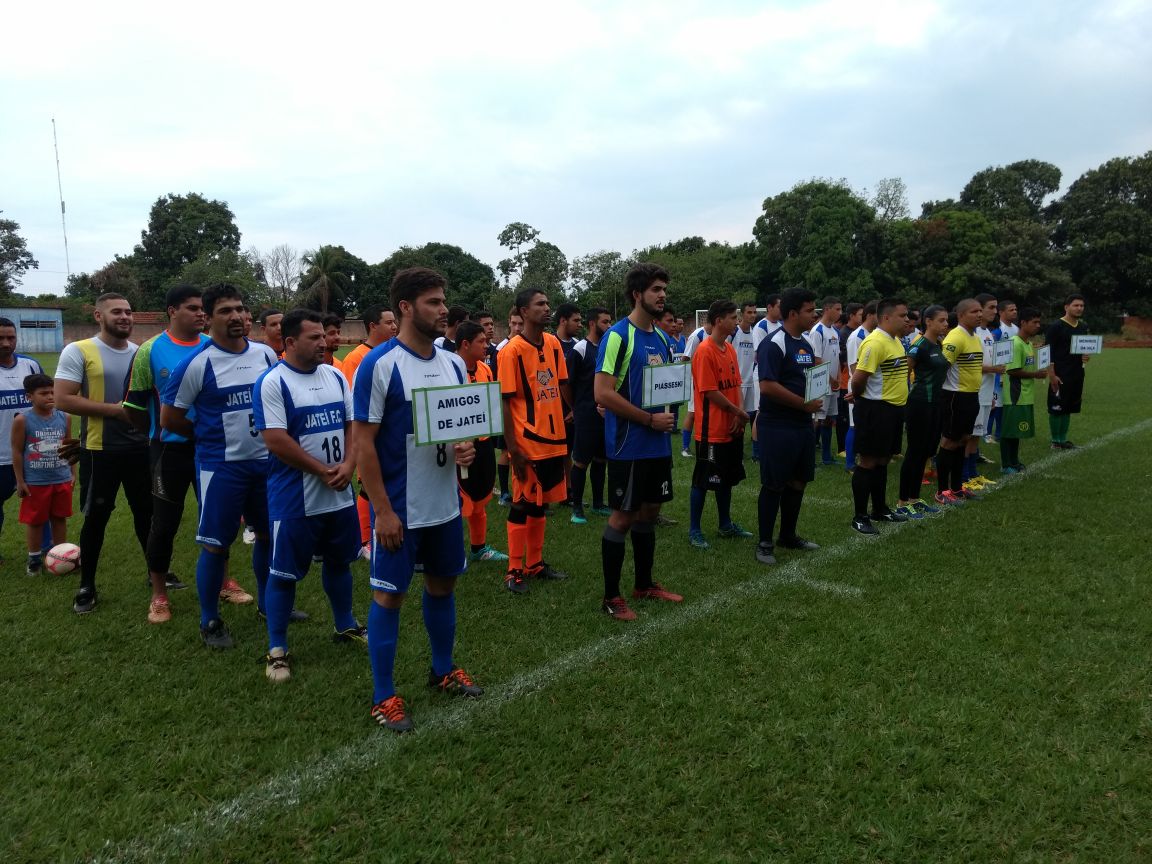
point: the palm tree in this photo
(325, 277)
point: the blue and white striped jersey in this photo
(313, 408)
(218, 384)
(13, 400)
(420, 481)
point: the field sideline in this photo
(971, 687)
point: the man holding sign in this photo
(637, 439)
(1066, 374)
(413, 492)
(787, 436)
(880, 383)
(534, 383)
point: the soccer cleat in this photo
(1009, 470)
(84, 602)
(983, 481)
(294, 617)
(392, 713)
(455, 683)
(765, 554)
(600, 510)
(924, 508)
(890, 517)
(863, 525)
(357, 633)
(159, 611)
(656, 591)
(981, 459)
(618, 608)
(216, 635)
(515, 582)
(34, 568)
(972, 495)
(989, 439)
(505, 500)
(948, 498)
(278, 665)
(696, 541)
(734, 531)
(231, 592)
(172, 582)
(908, 512)
(578, 517)
(546, 571)
(487, 553)
(249, 537)
(663, 521)
(1019, 466)
(685, 454)
(1067, 445)
(798, 543)
(972, 486)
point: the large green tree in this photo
(1105, 227)
(1012, 192)
(471, 282)
(329, 277)
(227, 265)
(820, 234)
(597, 279)
(701, 272)
(182, 229)
(15, 259)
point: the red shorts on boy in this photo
(46, 503)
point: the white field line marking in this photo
(289, 788)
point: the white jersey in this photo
(693, 341)
(420, 481)
(1007, 331)
(217, 385)
(988, 381)
(855, 340)
(745, 345)
(13, 399)
(765, 329)
(313, 407)
(826, 346)
(907, 341)
(503, 342)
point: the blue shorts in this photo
(332, 537)
(439, 548)
(787, 454)
(229, 490)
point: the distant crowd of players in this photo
(275, 436)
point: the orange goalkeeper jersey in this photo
(530, 377)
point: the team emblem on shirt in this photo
(543, 376)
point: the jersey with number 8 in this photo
(420, 481)
(313, 408)
(218, 384)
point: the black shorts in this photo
(589, 443)
(102, 473)
(637, 482)
(173, 469)
(1071, 395)
(481, 473)
(787, 454)
(958, 413)
(719, 466)
(569, 434)
(879, 428)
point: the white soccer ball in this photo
(62, 559)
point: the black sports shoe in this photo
(765, 553)
(455, 683)
(173, 582)
(799, 543)
(216, 635)
(889, 517)
(544, 570)
(515, 582)
(392, 713)
(863, 525)
(352, 634)
(84, 602)
(295, 616)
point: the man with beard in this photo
(1066, 374)
(91, 381)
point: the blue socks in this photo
(209, 578)
(260, 568)
(695, 508)
(383, 634)
(338, 586)
(826, 443)
(724, 506)
(440, 622)
(850, 449)
(685, 438)
(281, 597)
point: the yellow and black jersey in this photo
(965, 355)
(884, 358)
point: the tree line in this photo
(1007, 233)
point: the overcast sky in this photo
(604, 125)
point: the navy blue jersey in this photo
(784, 359)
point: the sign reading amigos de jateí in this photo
(445, 415)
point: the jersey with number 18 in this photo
(312, 407)
(420, 480)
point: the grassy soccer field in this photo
(972, 687)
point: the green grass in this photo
(977, 689)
